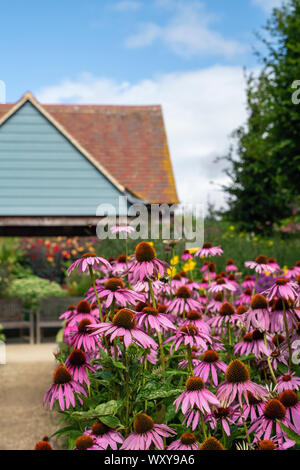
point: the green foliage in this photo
(32, 289)
(265, 156)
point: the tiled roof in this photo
(128, 141)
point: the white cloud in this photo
(267, 5)
(187, 33)
(200, 107)
(126, 5)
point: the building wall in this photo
(43, 174)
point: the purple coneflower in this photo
(189, 335)
(238, 384)
(288, 382)
(253, 343)
(186, 255)
(210, 365)
(104, 436)
(63, 389)
(145, 433)
(69, 313)
(83, 310)
(225, 416)
(245, 297)
(282, 288)
(82, 337)
(290, 400)
(278, 307)
(258, 315)
(230, 266)
(260, 264)
(226, 315)
(195, 318)
(215, 303)
(196, 395)
(183, 301)
(120, 265)
(253, 409)
(187, 441)
(85, 442)
(268, 422)
(220, 285)
(151, 318)
(78, 365)
(146, 265)
(89, 260)
(124, 325)
(211, 443)
(114, 291)
(209, 250)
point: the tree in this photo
(264, 158)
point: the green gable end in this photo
(43, 174)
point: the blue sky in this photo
(184, 54)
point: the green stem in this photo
(96, 293)
(245, 426)
(269, 361)
(190, 362)
(203, 427)
(126, 392)
(161, 346)
(287, 334)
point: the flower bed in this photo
(156, 360)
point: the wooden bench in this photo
(12, 317)
(49, 311)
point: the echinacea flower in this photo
(230, 266)
(146, 265)
(120, 265)
(78, 365)
(124, 325)
(82, 336)
(145, 433)
(188, 335)
(114, 291)
(238, 384)
(282, 288)
(290, 400)
(225, 416)
(187, 441)
(63, 389)
(252, 343)
(43, 445)
(225, 316)
(260, 264)
(278, 308)
(104, 436)
(196, 395)
(195, 318)
(211, 443)
(183, 301)
(209, 250)
(220, 285)
(69, 313)
(258, 315)
(186, 255)
(268, 422)
(85, 442)
(248, 282)
(87, 261)
(210, 365)
(151, 318)
(83, 310)
(288, 382)
(253, 409)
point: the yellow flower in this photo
(285, 270)
(174, 260)
(271, 243)
(231, 227)
(171, 271)
(193, 250)
(150, 243)
(189, 265)
(255, 239)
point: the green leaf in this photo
(291, 434)
(104, 409)
(65, 430)
(108, 408)
(161, 393)
(111, 421)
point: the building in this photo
(59, 162)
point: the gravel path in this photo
(24, 380)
